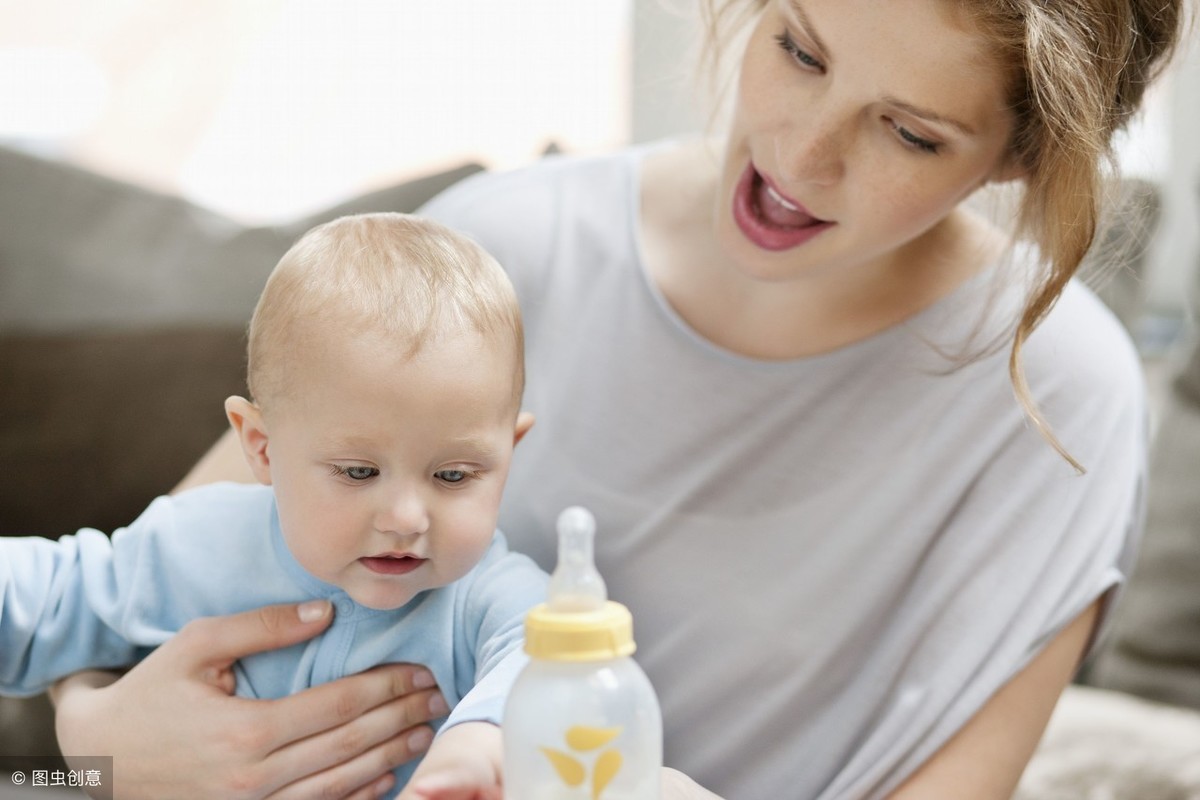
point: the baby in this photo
(385, 373)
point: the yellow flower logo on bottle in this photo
(584, 739)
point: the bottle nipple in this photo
(575, 584)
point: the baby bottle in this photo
(582, 721)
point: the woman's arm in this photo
(224, 461)
(985, 759)
(174, 730)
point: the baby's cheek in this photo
(318, 549)
(470, 547)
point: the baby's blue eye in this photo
(357, 473)
(451, 475)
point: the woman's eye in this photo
(357, 473)
(789, 46)
(910, 139)
(451, 475)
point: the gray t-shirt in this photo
(832, 562)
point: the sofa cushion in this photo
(96, 425)
(79, 250)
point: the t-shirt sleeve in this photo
(1029, 547)
(1044, 554)
(1091, 521)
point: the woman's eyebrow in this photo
(806, 25)
(929, 116)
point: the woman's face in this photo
(859, 125)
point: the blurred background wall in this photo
(265, 109)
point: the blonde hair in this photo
(398, 276)
(1077, 71)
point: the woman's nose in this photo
(812, 153)
(403, 511)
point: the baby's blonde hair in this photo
(401, 277)
(1077, 70)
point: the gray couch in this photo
(121, 331)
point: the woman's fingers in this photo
(342, 737)
(220, 641)
(339, 738)
(366, 776)
(389, 734)
(374, 790)
(403, 695)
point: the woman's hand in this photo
(174, 729)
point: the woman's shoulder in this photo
(1086, 378)
(1079, 350)
(551, 185)
(561, 211)
(1082, 338)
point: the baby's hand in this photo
(452, 785)
(462, 764)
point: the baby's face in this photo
(388, 469)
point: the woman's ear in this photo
(246, 419)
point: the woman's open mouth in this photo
(767, 218)
(392, 565)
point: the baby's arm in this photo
(463, 763)
(53, 596)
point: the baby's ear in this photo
(247, 421)
(524, 423)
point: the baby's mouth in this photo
(392, 564)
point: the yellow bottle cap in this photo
(585, 635)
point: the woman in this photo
(778, 370)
